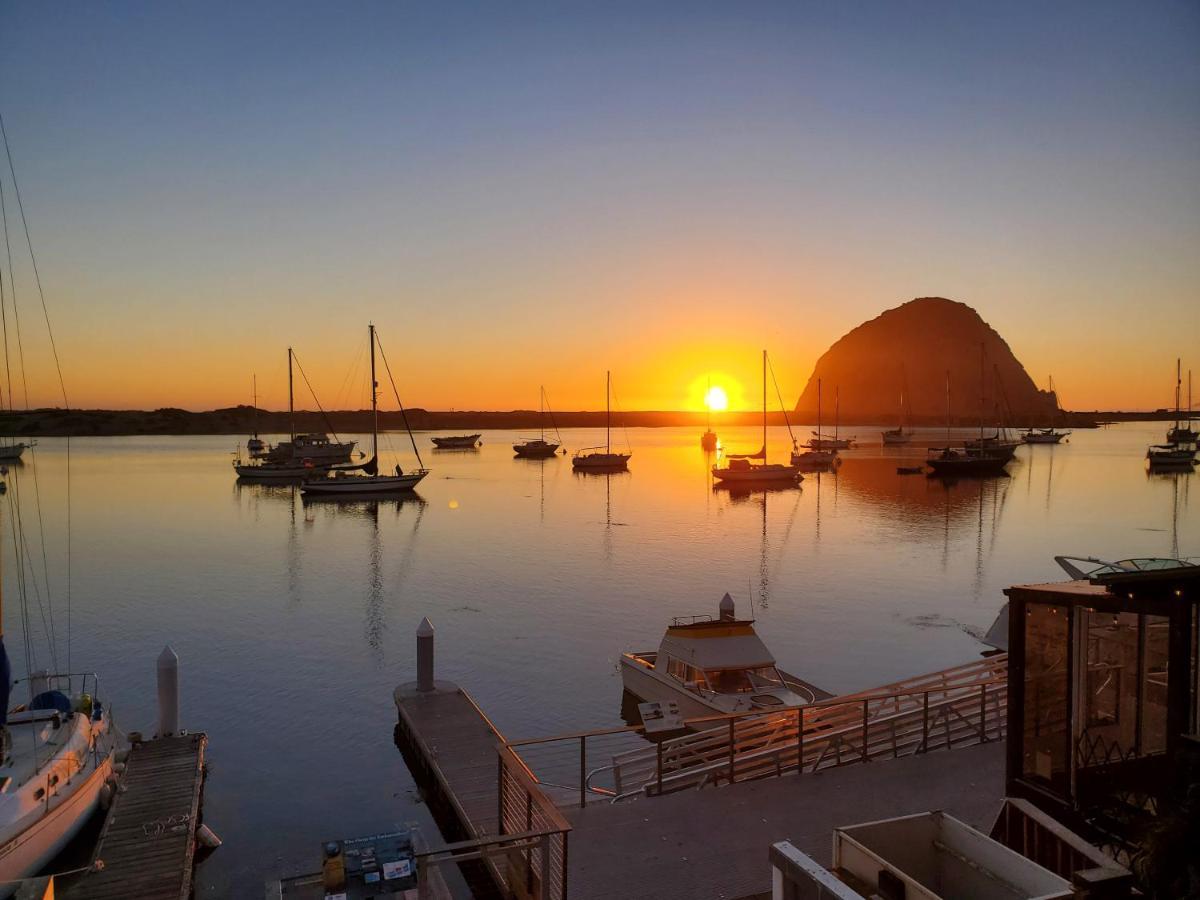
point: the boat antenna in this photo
(403, 413)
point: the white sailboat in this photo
(365, 479)
(57, 747)
(602, 458)
(901, 435)
(740, 469)
(256, 446)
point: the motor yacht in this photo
(713, 666)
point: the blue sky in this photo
(544, 191)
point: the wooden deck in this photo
(450, 745)
(148, 841)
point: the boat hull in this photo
(362, 485)
(893, 438)
(648, 686)
(277, 473)
(768, 473)
(535, 450)
(1042, 437)
(11, 452)
(457, 442)
(968, 466)
(601, 462)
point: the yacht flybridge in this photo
(711, 666)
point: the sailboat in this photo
(708, 440)
(602, 458)
(539, 447)
(56, 748)
(740, 469)
(1045, 435)
(825, 442)
(256, 446)
(974, 459)
(1182, 433)
(896, 436)
(348, 480)
(815, 457)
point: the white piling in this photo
(168, 692)
(425, 655)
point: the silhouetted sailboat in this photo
(813, 457)
(1045, 435)
(971, 460)
(834, 442)
(894, 436)
(365, 480)
(708, 440)
(741, 470)
(256, 446)
(539, 447)
(1183, 432)
(602, 458)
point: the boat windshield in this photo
(744, 681)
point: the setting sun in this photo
(716, 398)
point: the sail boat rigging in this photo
(1049, 435)
(1182, 432)
(826, 442)
(903, 434)
(256, 446)
(539, 447)
(345, 481)
(815, 457)
(597, 458)
(708, 440)
(740, 469)
(976, 458)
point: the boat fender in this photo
(206, 837)
(106, 796)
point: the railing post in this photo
(731, 751)
(659, 744)
(546, 890)
(983, 713)
(528, 846)
(582, 771)
(500, 792)
(864, 730)
(925, 722)
(800, 741)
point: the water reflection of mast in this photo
(764, 595)
(374, 624)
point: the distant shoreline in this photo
(53, 422)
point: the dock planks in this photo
(453, 745)
(148, 841)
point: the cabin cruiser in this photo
(315, 447)
(713, 666)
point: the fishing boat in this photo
(57, 747)
(832, 442)
(902, 434)
(316, 452)
(714, 666)
(364, 479)
(978, 458)
(539, 447)
(457, 442)
(602, 458)
(811, 458)
(1182, 432)
(1045, 435)
(708, 440)
(741, 470)
(12, 452)
(256, 446)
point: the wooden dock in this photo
(148, 841)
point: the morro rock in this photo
(912, 348)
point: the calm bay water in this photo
(295, 621)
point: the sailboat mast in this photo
(254, 392)
(608, 412)
(818, 409)
(947, 407)
(837, 411)
(764, 451)
(291, 404)
(374, 398)
(1178, 387)
(542, 411)
(982, 398)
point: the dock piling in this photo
(425, 655)
(168, 692)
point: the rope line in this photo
(404, 414)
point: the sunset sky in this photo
(520, 194)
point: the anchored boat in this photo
(539, 447)
(740, 469)
(602, 459)
(457, 442)
(365, 479)
(712, 666)
(813, 458)
(902, 434)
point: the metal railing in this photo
(529, 856)
(951, 708)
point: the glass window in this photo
(1046, 734)
(1156, 634)
(741, 681)
(1109, 689)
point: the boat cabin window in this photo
(742, 681)
(689, 675)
